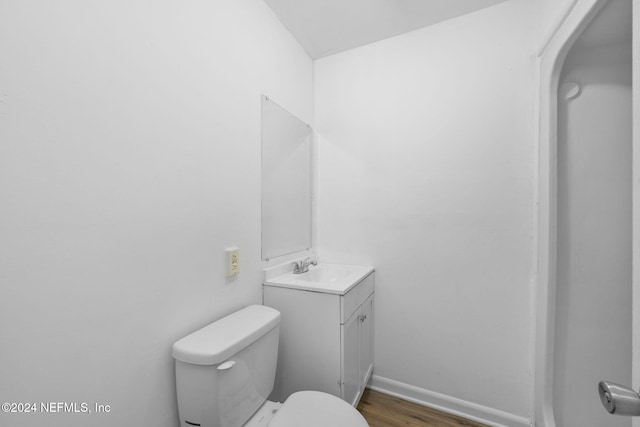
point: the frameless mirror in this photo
(286, 182)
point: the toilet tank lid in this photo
(223, 338)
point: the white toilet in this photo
(225, 372)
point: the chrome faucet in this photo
(300, 267)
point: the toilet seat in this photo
(317, 409)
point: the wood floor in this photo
(382, 410)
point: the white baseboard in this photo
(444, 403)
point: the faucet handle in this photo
(297, 267)
(303, 266)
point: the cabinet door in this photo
(350, 359)
(366, 342)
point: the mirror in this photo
(286, 182)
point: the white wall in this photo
(129, 158)
(425, 171)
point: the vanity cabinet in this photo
(326, 339)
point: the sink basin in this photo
(327, 278)
(324, 273)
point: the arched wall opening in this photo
(584, 219)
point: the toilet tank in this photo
(225, 371)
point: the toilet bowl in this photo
(225, 373)
(308, 409)
(316, 409)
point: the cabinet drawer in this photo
(353, 299)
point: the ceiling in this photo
(324, 27)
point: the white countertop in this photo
(326, 278)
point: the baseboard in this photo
(444, 403)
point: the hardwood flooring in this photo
(382, 410)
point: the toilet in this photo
(225, 373)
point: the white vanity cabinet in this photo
(326, 337)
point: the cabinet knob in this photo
(363, 317)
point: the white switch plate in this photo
(232, 260)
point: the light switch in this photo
(232, 255)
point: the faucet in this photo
(300, 267)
